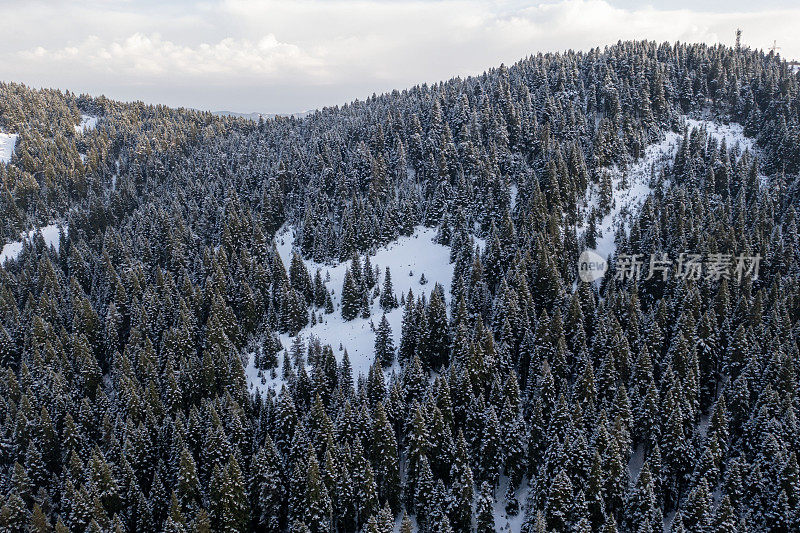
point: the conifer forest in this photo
(176, 288)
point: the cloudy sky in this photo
(293, 55)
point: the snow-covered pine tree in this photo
(384, 345)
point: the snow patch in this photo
(631, 186)
(408, 258)
(732, 134)
(636, 463)
(702, 426)
(50, 234)
(7, 143)
(88, 122)
(504, 523)
(668, 519)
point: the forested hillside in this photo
(521, 397)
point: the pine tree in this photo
(13, 514)
(512, 504)
(318, 509)
(484, 513)
(385, 459)
(409, 336)
(6, 347)
(423, 492)
(228, 498)
(368, 275)
(559, 501)
(642, 508)
(188, 487)
(405, 525)
(39, 522)
(696, 513)
(388, 300)
(436, 337)
(490, 448)
(365, 489)
(351, 297)
(724, 517)
(417, 444)
(320, 291)
(300, 279)
(269, 488)
(175, 520)
(462, 486)
(384, 345)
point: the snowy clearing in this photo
(635, 463)
(502, 521)
(49, 233)
(631, 187)
(88, 122)
(407, 258)
(514, 192)
(732, 134)
(7, 143)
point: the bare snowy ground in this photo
(407, 258)
(502, 521)
(50, 234)
(88, 122)
(732, 134)
(631, 186)
(635, 464)
(7, 143)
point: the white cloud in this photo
(268, 55)
(151, 56)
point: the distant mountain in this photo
(256, 116)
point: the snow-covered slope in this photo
(631, 186)
(49, 234)
(7, 143)
(732, 134)
(407, 258)
(88, 122)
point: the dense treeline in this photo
(624, 406)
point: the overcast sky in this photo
(294, 55)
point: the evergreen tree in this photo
(351, 297)
(384, 345)
(484, 519)
(388, 300)
(268, 487)
(385, 459)
(13, 514)
(318, 510)
(642, 508)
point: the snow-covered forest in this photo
(370, 319)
